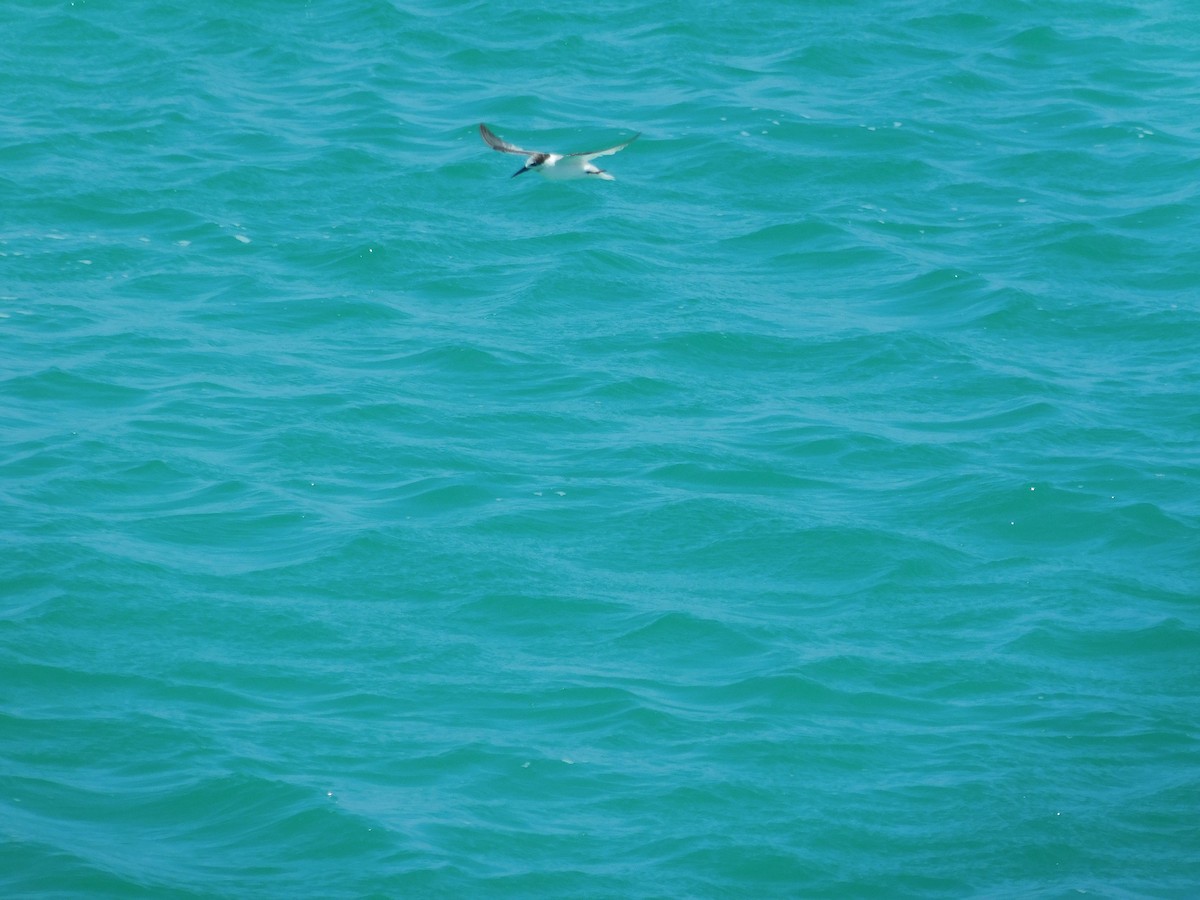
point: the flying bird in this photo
(555, 166)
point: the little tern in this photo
(555, 166)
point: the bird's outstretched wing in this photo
(592, 154)
(503, 146)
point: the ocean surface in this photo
(812, 511)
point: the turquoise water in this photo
(812, 511)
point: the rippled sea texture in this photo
(812, 511)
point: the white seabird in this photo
(555, 166)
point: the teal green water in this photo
(812, 511)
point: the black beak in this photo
(519, 171)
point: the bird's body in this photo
(555, 166)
